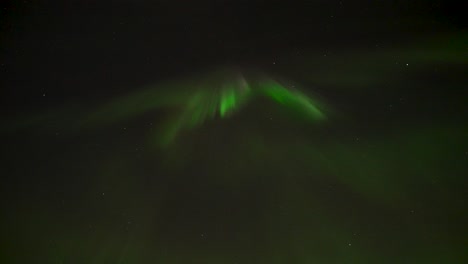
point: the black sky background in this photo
(68, 48)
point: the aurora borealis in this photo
(215, 95)
(234, 132)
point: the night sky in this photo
(233, 131)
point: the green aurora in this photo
(360, 164)
(217, 95)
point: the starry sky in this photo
(233, 131)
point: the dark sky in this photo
(88, 87)
(80, 44)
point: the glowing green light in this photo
(292, 99)
(195, 101)
(228, 101)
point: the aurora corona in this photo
(215, 95)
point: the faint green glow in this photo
(292, 99)
(379, 178)
(188, 104)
